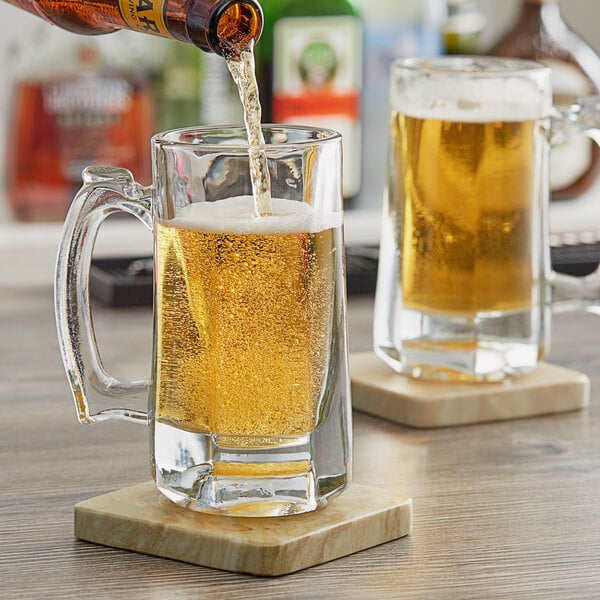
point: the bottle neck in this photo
(539, 15)
(225, 27)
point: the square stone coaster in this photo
(380, 391)
(139, 518)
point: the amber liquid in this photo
(54, 136)
(243, 330)
(243, 71)
(465, 196)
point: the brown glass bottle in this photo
(221, 26)
(541, 34)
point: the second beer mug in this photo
(248, 401)
(463, 286)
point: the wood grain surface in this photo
(503, 510)
(140, 518)
(380, 391)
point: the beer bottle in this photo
(220, 26)
(541, 34)
(309, 68)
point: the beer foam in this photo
(475, 101)
(236, 215)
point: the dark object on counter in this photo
(122, 281)
(128, 281)
(579, 259)
(361, 269)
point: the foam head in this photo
(236, 215)
(472, 90)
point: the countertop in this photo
(502, 510)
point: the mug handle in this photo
(570, 292)
(105, 190)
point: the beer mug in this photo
(463, 290)
(248, 400)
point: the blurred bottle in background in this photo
(76, 101)
(309, 66)
(191, 87)
(82, 100)
(219, 98)
(463, 28)
(177, 74)
(541, 34)
(393, 29)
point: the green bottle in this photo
(309, 65)
(178, 85)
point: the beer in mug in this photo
(461, 290)
(248, 400)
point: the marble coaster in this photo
(139, 518)
(380, 391)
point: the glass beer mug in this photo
(463, 290)
(248, 401)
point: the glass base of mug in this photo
(484, 347)
(241, 476)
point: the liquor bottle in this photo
(76, 101)
(463, 27)
(541, 34)
(219, 95)
(177, 79)
(219, 26)
(393, 29)
(309, 67)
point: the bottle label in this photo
(317, 73)
(571, 159)
(145, 16)
(91, 119)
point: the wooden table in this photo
(506, 510)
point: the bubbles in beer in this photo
(245, 308)
(465, 195)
